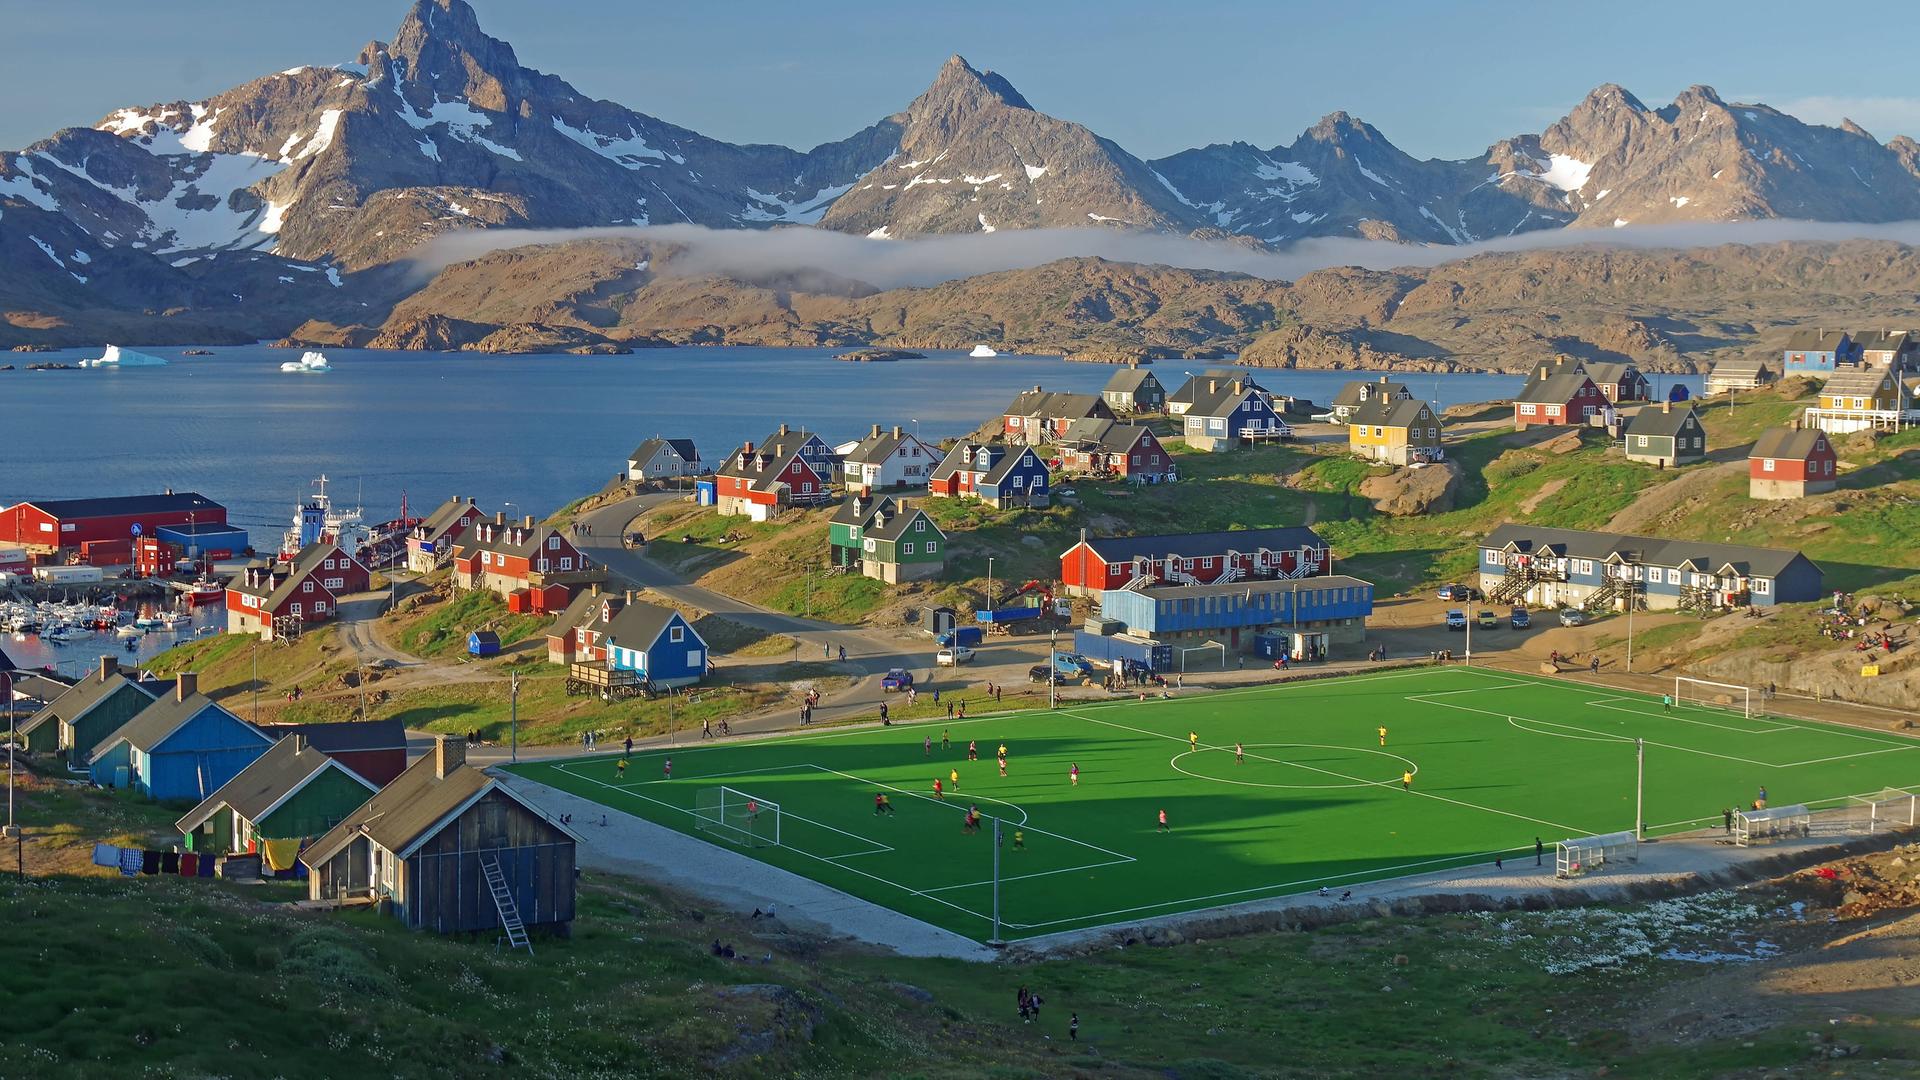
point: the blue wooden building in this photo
(1318, 614)
(183, 746)
(656, 642)
(1522, 564)
(1819, 350)
(483, 643)
(1018, 478)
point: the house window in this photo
(319, 607)
(336, 583)
(868, 546)
(1134, 460)
(906, 548)
(1492, 557)
(676, 634)
(1115, 570)
(1766, 464)
(1673, 576)
(553, 543)
(306, 586)
(1206, 563)
(1527, 409)
(543, 564)
(566, 562)
(806, 488)
(326, 564)
(1640, 441)
(933, 547)
(1762, 585)
(293, 608)
(920, 525)
(1019, 482)
(486, 558)
(1859, 403)
(1553, 410)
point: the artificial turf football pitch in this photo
(1498, 760)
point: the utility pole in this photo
(360, 676)
(1053, 702)
(1640, 789)
(12, 830)
(1469, 632)
(513, 715)
(1632, 597)
(253, 654)
(995, 939)
(989, 583)
(809, 590)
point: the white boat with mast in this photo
(318, 521)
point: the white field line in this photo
(1609, 704)
(1385, 784)
(628, 788)
(1004, 878)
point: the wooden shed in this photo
(483, 643)
(433, 842)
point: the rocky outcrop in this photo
(430, 333)
(1406, 492)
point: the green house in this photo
(886, 539)
(90, 710)
(292, 793)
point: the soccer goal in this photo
(1892, 808)
(1774, 823)
(1715, 695)
(737, 817)
(1587, 854)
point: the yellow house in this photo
(1859, 399)
(1395, 431)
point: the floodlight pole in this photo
(1053, 702)
(995, 939)
(1469, 614)
(513, 716)
(1640, 789)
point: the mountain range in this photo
(300, 194)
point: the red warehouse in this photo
(48, 525)
(1096, 564)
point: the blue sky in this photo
(1439, 79)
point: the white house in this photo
(888, 459)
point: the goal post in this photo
(737, 817)
(1703, 693)
(1888, 810)
(1580, 855)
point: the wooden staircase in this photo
(503, 902)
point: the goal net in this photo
(1890, 809)
(737, 817)
(1587, 854)
(1713, 695)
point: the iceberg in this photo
(117, 357)
(311, 363)
(982, 350)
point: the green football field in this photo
(1498, 760)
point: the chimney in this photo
(1036, 388)
(783, 429)
(528, 521)
(1666, 406)
(449, 753)
(185, 685)
(1236, 387)
(1083, 534)
(108, 666)
(866, 491)
(596, 588)
(1213, 385)
(1543, 371)
(1383, 380)
(876, 432)
(499, 517)
(299, 742)
(896, 431)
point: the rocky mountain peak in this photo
(960, 83)
(440, 45)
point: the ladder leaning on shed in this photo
(503, 902)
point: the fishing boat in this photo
(311, 363)
(130, 632)
(316, 521)
(205, 591)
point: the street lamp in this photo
(1053, 687)
(513, 714)
(989, 583)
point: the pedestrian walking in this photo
(926, 747)
(629, 746)
(843, 654)
(1539, 851)
(1073, 1027)
(1726, 817)
(1593, 664)
(946, 743)
(666, 768)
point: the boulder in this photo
(1406, 492)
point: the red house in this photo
(1790, 462)
(1096, 564)
(45, 527)
(525, 558)
(279, 599)
(579, 635)
(430, 544)
(1037, 416)
(1110, 448)
(1566, 400)
(758, 482)
(375, 749)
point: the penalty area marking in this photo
(1355, 782)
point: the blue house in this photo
(1227, 412)
(182, 746)
(1018, 478)
(1819, 350)
(1523, 564)
(656, 642)
(483, 643)
(1317, 613)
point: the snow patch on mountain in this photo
(47, 249)
(1293, 173)
(323, 138)
(1035, 172)
(629, 151)
(1565, 173)
(805, 211)
(984, 227)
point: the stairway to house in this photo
(503, 902)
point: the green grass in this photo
(443, 630)
(1500, 759)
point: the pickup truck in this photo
(1489, 621)
(897, 679)
(1456, 619)
(953, 657)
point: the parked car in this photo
(897, 679)
(1041, 673)
(1519, 619)
(1489, 621)
(953, 657)
(1456, 619)
(1459, 592)
(1572, 617)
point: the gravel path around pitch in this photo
(642, 849)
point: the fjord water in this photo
(532, 431)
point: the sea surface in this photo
(526, 434)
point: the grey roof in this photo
(1219, 397)
(35, 686)
(684, 447)
(1856, 382)
(117, 505)
(443, 517)
(1787, 442)
(508, 539)
(1046, 403)
(769, 459)
(1259, 585)
(638, 625)
(1006, 464)
(960, 456)
(262, 785)
(152, 725)
(1652, 550)
(80, 697)
(875, 449)
(1115, 549)
(1885, 340)
(1350, 393)
(1611, 373)
(406, 809)
(1657, 420)
(1556, 389)
(1818, 340)
(1110, 436)
(1390, 412)
(582, 609)
(1742, 365)
(1129, 380)
(346, 736)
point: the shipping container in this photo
(67, 575)
(1007, 615)
(1103, 649)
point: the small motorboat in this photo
(130, 633)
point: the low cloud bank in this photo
(930, 260)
